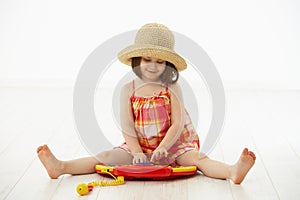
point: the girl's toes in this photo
(39, 149)
(252, 155)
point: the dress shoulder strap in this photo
(133, 87)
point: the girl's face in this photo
(152, 68)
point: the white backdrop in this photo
(252, 43)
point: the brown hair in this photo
(169, 76)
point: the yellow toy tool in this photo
(83, 189)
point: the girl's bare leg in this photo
(216, 169)
(85, 165)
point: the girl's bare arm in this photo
(127, 121)
(177, 118)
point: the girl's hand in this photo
(139, 158)
(158, 154)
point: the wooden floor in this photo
(265, 121)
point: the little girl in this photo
(154, 123)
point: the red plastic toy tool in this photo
(147, 171)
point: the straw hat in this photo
(153, 40)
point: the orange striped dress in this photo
(152, 119)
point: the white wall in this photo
(252, 43)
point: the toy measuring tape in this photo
(83, 189)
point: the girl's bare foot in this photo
(242, 167)
(53, 166)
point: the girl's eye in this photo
(149, 60)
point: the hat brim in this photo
(163, 53)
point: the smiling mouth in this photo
(153, 72)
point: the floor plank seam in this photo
(8, 145)
(20, 178)
(57, 186)
(228, 181)
(293, 149)
(263, 164)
